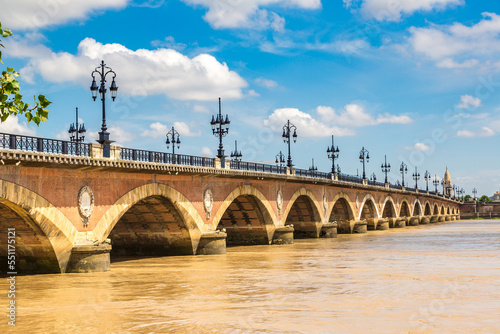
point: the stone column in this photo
(283, 235)
(212, 243)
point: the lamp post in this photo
(103, 70)
(436, 183)
(77, 133)
(427, 177)
(373, 177)
(313, 169)
(403, 169)
(333, 153)
(173, 138)
(386, 168)
(474, 191)
(220, 128)
(236, 155)
(454, 193)
(364, 155)
(280, 159)
(287, 133)
(416, 177)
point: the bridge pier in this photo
(425, 220)
(413, 221)
(400, 222)
(329, 230)
(441, 219)
(345, 226)
(212, 243)
(89, 258)
(283, 235)
(434, 219)
(383, 224)
(360, 226)
(447, 218)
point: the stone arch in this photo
(404, 210)
(303, 211)
(427, 210)
(436, 209)
(342, 212)
(417, 208)
(448, 210)
(247, 217)
(173, 221)
(442, 209)
(44, 235)
(368, 208)
(389, 208)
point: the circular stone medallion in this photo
(85, 201)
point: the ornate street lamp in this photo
(313, 168)
(373, 177)
(236, 155)
(77, 133)
(103, 71)
(173, 138)
(386, 168)
(287, 133)
(427, 177)
(220, 128)
(333, 153)
(454, 192)
(364, 155)
(403, 169)
(416, 177)
(474, 191)
(280, 159)
(436, 183)
(397, 183)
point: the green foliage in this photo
(485, 198)
(467, 198)
(11, 99)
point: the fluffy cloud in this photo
(457, 45)
(139, 73)
(118, 134)
(158, 129)
(206, 151)
(484, 132)
(248, 14)
(468, 101)
(390, 10)
(329, 121)
(419, 147)
(22, 14)
(12, 125)
(266, 82)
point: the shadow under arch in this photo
(303, 211)
(389, 208)
(417, 208)
(246, 214)
(369, 211)
(404, 209)
(172, 224)
(436, 210)
(44, 235)
(427, 210)
(342, 212)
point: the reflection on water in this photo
(442, 278)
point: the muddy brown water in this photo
(439, 278)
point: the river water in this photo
(439, 278)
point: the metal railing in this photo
(312, 173)
(167, 158)
(256, 167)
(43, 145)
(350, 178)
(375, 183)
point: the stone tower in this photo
(447, 185)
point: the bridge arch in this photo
(448, 210)
(417, 208)
(427, 210)
(247, 216)
(404, 209)
(303, 211)
(176, 223)
(389, 208)
(442, 209)
(342, 212)
(436, 209)
(44, 235)
(368, 209)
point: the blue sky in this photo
(418, 81)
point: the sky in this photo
(416, 81)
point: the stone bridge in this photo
(69, 211)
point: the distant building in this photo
(447, 185)
(496, 196)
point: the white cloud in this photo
(169, 43)
(158, 129)
(419, 147)
(266, 83)
(390, 10)
(22, 14)
(306, 125)
(206, 151)
(355, 115)
(248, 13)
(12, 125)
(484, 132)
(201, 108)
(468, 101)
(139, 73)
(458, 46)
(117, 134)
